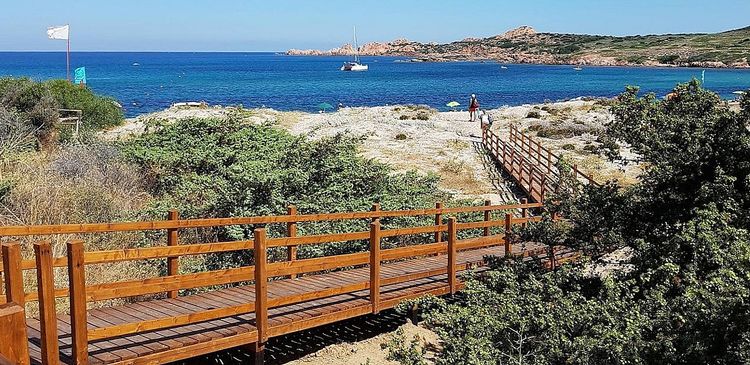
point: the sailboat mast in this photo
(356, 47)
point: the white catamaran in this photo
(355, 65)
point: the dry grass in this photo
(77, 184)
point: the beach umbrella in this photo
(453, 104)
(325, 106)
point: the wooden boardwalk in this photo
(242, 306)
(532, 166)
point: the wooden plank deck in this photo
(188, 341)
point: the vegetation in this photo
(224, 168)
(729, 47)
(29, 112)
(684, 299)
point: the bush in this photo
(34, 102)
(401, 137)
(37, 104)
(226, 168)
(423, 116)
(534, 114)
(668, 59)
(404, 117)
(99, 112)
(569, 147)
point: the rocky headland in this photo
(526, 45)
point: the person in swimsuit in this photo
(473, 107)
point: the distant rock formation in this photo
(521, 31)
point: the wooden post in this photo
(452, 254)
(77, 287)
(544, 187)
(261, 292)
(508, 245)
(487, 216)
(14, 344)
(47, 311)
(13, 274)
(375, 208)
(173, 262)
(524, 210)
(375, 266)
(438, 222)
(549, 162)
(291, 231)
(591, 179)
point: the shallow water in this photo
(301, 83)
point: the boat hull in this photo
(354, 67)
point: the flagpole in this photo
(68, 57)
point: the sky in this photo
(277, 25)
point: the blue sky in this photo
(250, 25)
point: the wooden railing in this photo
(542, 157)
(531, 165)
(80, 293)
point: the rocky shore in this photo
(526, 45)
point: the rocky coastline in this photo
(524, 45)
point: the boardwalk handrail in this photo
(38, 230)
(80, 293)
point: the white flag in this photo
(60, 32)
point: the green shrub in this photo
(226, 168)
(99, 112)
(668, 59)
(401, 137)
(569, 147)
(404, 117)
(533, 114)
(423, 116)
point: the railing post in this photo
(549, 162)
(173, 262)
(487, 216)
(591, 179)
(14, 344)
(47, 311)
(77, 287)
(544, 187)
(524, 210)
(375, 266)
(507, 238)
(375, 208)
(452, 254)
(291, 231)
(438, 222)
(13, 274)
(261, 293)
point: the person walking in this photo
(473, 107)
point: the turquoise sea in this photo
(146, 82)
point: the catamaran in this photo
(355, 65)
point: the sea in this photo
(144, 82)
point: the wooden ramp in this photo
(245, 306)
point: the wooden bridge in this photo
(163, 320)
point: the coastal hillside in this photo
(525, 45)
